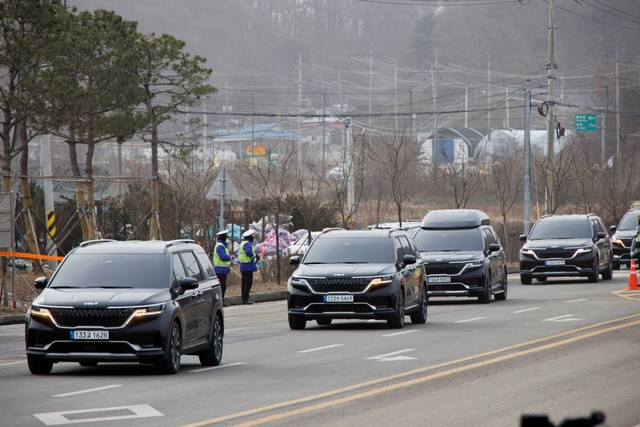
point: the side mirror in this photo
(523, 237)
(601, 235)
(295, 260)
(494, 247)
(613, 228)
(41, 282)
(409, 259)
(189, 283)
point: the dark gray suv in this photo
(110, 301)
(566, 245)
(358, 274)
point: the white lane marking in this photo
(90, 390)
(576, 300)
(238, 329)
(135, 411)
(11, 363)
(326, 347)
(211, 368)
(525, 310)
(565, 318)
(401, 333)
(393, 357)
(469, 320)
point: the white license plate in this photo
(439, 279)
(338, 298)
(89, 335)
(554, 262)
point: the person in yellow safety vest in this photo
(222, 261)
(635, 244)
(248, 259)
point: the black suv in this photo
(462, 255)
(566, 245)
(110, 301)
(358, 274)
(621, 239)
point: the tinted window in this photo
(564, 229)
(449, 240)
(629, 221)
(206, 264)
(113, 270)
(179, 272)
(191, 265)
(357, 250)
(406, 247)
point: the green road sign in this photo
(585, 123)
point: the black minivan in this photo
(462, 255)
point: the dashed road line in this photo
(400, 333)
(326, 347)
(211, 368)
(90, 390)
(469, 320)
(525, 310)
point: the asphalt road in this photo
(563, 349)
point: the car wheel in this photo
(171, 361)
(397, 321)
(212, 356)
(525, 279)
(485, 298)
(297, 322)
(323, 322)
(420, 316)
(608, 273)
(39, 365)
(88, 364)
(503, 295)
(594, 276)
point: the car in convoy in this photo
(566, 245)
(462, 255)
(133, 301)
(623, 234)
(301, 244)
(358, 274)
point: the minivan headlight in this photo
(380, 282)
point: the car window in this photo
(206, 264)
(360, 250)
(399, 250)
(406, 247)
(629, 221)
(449, 240)
(96, 270)
(179, 272)
(565, 229)
(191, 265)
(599, 226)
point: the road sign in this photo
(585, 123)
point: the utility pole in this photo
(351, 169)
(370, 79)
(527, 156)
(324, 132)
(299, 109)
(603, 129)
(551, 66)
(488, 143)
(618, 154)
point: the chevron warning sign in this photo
(51, 223)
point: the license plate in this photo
(439, 279)
(554, 262)
(338, 298)
(89, 335)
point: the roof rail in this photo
(179, 241)
(94, 242)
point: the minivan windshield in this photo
(564, 229)
(469, 239)
(358, 250)
(149, 271)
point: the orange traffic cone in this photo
(633, 277)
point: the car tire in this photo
(212, 356)
(296, 322)
(485, 298)
(501, 296)
(39, 365)
(170, 363)
(608, 273)
(594, 275)
(397, 321)
(525, 279)
(420, 316)
(324, 322)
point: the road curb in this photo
(12, 319)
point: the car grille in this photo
(626, 242)
(443, 268)
(104, 317)
(338, 285)
(554, 253)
